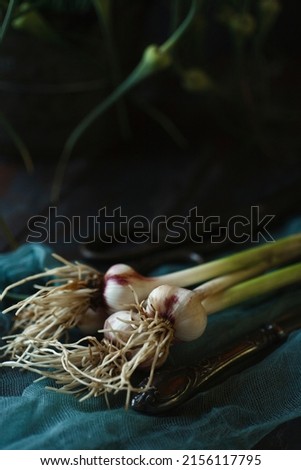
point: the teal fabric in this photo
(233, 415)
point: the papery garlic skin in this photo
(118, 326)
(121, 281)
(181, 307)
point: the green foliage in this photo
(215, 51)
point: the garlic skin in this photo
(118, 326)
(181, 307)
(120, 283)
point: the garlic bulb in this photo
(146, 334)
(121, 282)
(141, 339)
(181, 307)
(119, 326)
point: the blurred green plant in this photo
(154, 59)
(244, 26)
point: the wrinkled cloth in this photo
(236, 414)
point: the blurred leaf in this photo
(34, 23)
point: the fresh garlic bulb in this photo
(181, 307)
(118, 327)
(142, 339)
(121, 282)
(146, 334)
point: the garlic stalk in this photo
(187, 310)
(260, 285)
(118, 278)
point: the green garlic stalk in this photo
(243, 265)
(252, 288)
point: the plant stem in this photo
(272, 253)
(174, 38)
(254, 287)
(7, 19)
(135, 77)
(175, 14)
(154, 59)
(221, 283)
(104, 21)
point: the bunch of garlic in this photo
(139, 317)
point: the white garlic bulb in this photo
(181, 307)
(141, 339)
(119, 326)
(121, 282)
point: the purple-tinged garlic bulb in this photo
(180, 307)
(119, 283)
(143, 340)
(144, 335)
